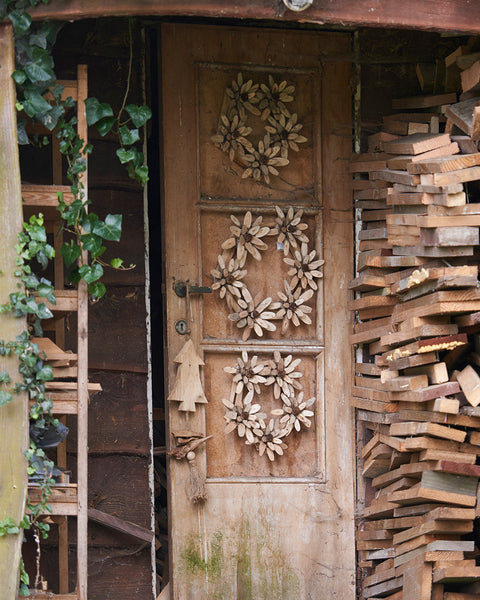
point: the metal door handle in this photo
(181, 288)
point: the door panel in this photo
(279, 528)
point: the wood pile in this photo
(417, 333)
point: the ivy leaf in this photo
(45, 373)
(116, 263)
(126, 156)
(96, 111)
(40, 68)
(104, 125)
(141, 174)
(96, 291)
(21, 21)
(93, 243)
(35, 102)
(50, 118)
(91, 273)
(70, 252)
(110, 229)
(129, 136)
(139, 114)
(43, 312)
(5, 397)
(19, 76)
(22, 135)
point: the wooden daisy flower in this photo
(284, 132)
(247, 373)
(296, 412)
(231, 136)
(243, 416)
(293, 308)
(290, 229)
(269, 440)
(244, 94)
(275, 96)
(263, 161)
(253, 315)
(304, 268)
(280, 372)
(227, 279)
(247, 237)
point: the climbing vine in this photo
(39, 98)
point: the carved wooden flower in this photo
(293, 308)
(269, 440)
(275, 96)
(242, 415)
(231, 136)
(290, 228)
(247, 373)
(280, 372)
(246, 237)
(227, 279)
(295, 412)
(304, 268)
(263, 161)
(284, 132)
(253, 315)
(245, 94)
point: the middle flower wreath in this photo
(254, 313)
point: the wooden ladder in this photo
(69, 397)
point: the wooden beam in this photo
(449, 15)
(13, 416)
(121, 525)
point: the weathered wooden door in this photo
(278, 521)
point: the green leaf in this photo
(116, 263)
(36, 102)
(19, 76)
(21, 21)
(39, 69)
(92, 243)
(129, 136)
(96, 111)
(110, 229)
(141, 174)
(96, 291)
(139, 114)
(126, 156)
(104, 125)
(5, 397)
(45, 373)
(70, 252)
(91, 273)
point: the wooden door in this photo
(278, 521)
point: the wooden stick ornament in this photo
(188, 389)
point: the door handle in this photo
(182, 288)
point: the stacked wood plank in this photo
(417, 384)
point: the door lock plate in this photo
(181, 327)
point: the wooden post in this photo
(82, 423)
(14, 415)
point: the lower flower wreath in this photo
(245, 416)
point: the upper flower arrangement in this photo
(271, 103)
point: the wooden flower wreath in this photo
(281, 126)
(256, 316)
(246, 417)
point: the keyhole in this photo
(181, 327)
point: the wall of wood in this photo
(119, 443)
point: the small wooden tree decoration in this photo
(188, 389)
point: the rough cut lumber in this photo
(470, 77)
(456, 574)
(433, 429)
(121, 525)
(443, 179)
(450, 236)
(462, 115)
(417, 143)
(424, 331)
(445, 164)
(469, 381)
(397, 177)
(13, 416)
(413, 102)
(414, 360)
(427, 345)
(404, 160)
